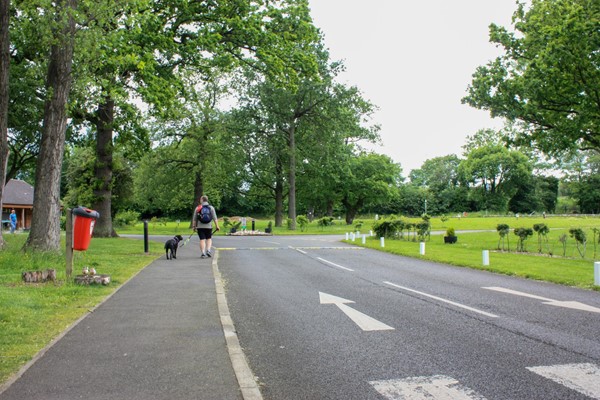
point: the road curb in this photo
(243, 373)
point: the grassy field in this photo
(467, 252)
(32, 315)
(340, 227)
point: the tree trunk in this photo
(278, 193)
(45, 224)
(103, 169)
(4, 67)
(292, 177)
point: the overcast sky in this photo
(414, 60)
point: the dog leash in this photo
(192, 234)
(188, 239)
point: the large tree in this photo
(369, 180)
(45, 224)
(4, 68)
(495, 172)
(549, 76)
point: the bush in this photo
(325, 221)
(450, 232)
(126, 218)
(302, 221)
(523, 234)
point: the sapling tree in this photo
(580, 240)
(503, 230)
(523, 234)
(302, 221)
(563, 240)
(542, 232)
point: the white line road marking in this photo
(364, 322)
(334, 264)
(584, 378)
(566, 304)
(443, 300)
(438, 387)
(268, 241)
(299, 251)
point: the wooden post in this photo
(69, 243)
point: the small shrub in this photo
(503, 230)
(523, 234)
(126, 218)
(302, 221)
(580, 240)
(450, 232)
(325, 221)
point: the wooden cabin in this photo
(18, 196)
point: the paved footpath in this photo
(158, 337)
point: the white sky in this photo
(414, 60)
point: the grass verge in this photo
(467, 252)
(31, 315)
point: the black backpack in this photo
(203, 214)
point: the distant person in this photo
(204, 215)
(13, 221)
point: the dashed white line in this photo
(442, 300)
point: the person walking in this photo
(204, 215)
(13, 221)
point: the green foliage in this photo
(450, 232)
(523, 234)
(358, 225)
(580, 239)
(387, 228)
(496, 172)
(324, 222)
(503, 230)
(302, 221)
(125, 218)
(542, 231)
(548, 76)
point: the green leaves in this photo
(548, 78)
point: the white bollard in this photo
(346, 235)
(352, 236)
(422, 248)
(486, 257)
(597, 273)
(382, 241)
(357, 233)
(364, 239)
(370, 233)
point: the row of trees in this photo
(154, 102)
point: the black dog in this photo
(173, 244)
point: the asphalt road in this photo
(319, 319)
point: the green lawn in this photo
(468, 252)
(340, 227)
(32, 315)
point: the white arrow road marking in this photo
(584, 378)
(566, 304)
(364, 322)
(334, 264)
(438, 387)
(487, 314)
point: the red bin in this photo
(83, 226)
